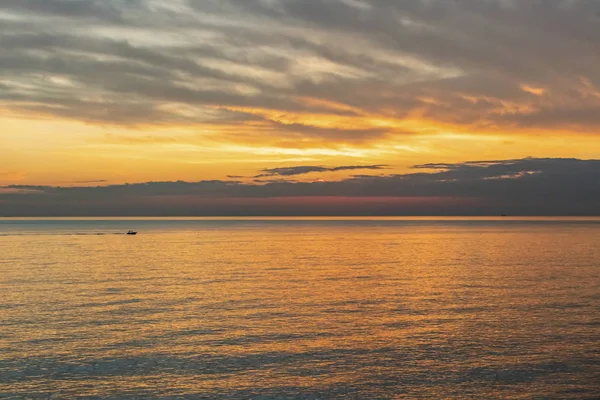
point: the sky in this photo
(308, 107)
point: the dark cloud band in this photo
(528, 186)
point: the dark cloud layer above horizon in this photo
(479, 64)
(529, 186)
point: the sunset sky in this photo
(298, 101)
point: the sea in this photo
(300, 308)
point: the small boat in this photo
(132, 233)
(504, 215)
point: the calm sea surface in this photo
(300, 309)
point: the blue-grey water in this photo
(300, 309)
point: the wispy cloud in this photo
(301, 170)
(370, 66)
(91, 181)
(12, 176)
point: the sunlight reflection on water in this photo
(311, 310)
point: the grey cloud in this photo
(132, 83)
(502, 44)
(301, 170)
(348, 134)
(528, 186)
(111, 10)
(92, 181)
(459, 61)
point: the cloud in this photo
(476, 65)
(12, 176)
(301, 170)
(91, 181)
(18, 191)
(530, 186)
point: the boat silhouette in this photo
(132, 233)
